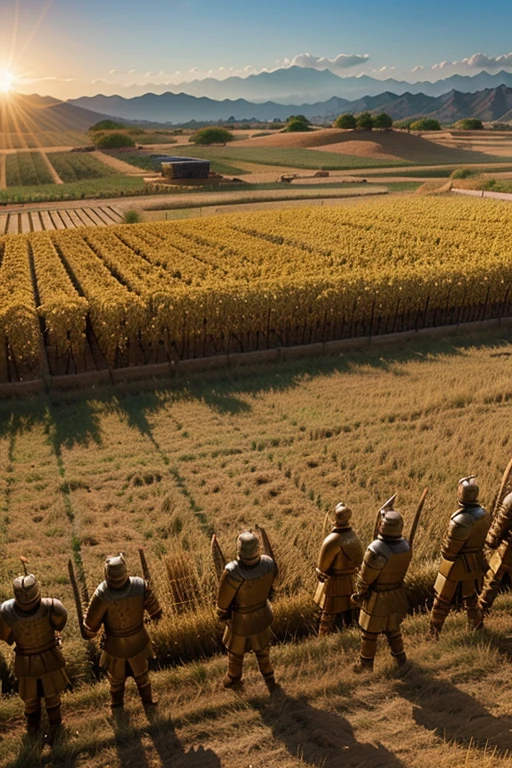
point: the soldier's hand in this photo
(356, 599)
(223, 615)
(491, 542)
(322, 577)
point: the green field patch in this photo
(78, 167)
(289, 157)
(27, 169)
(108, 186)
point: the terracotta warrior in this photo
(243, 603)
(33, 624)
(340, 557)
(119, 604)
(380, 592)
(499, 539)
(462, 561)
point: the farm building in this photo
(183, 167)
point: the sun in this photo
(6, 81)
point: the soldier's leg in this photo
(52, 704)
(326, 623)
(33, 714)
(266, 668)
(440, 611)
(396, 646)
(234, 673)
(368, 651)
(144, 687)
(116, 691)
(474, 612)
(491, 588)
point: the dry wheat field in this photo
(162, 468)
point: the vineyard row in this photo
(150, 292)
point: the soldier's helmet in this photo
(391, 524)
(248, 548)
(27, 592)
(342, 515)
(116, 571)
(467, 490)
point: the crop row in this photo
(76, 167)
(27, 169)
(240, 282)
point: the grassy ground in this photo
(40, 139)
(162, 466)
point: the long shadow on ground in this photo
(319, 737)
(452, 715)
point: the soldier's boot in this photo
(396, 646)
(266, 669)
(234, 673)
(326, 623)
(144, 688)
(363, 665)
(116, 693)
(440, 611)
(474, 613)
(33, 716)
(368, 651)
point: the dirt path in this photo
(119, 165)
(55, 176)
(3, 178)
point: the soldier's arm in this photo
(373, 563)
(151, 604)
(94, 616)
(330, 548)
(58, 615)
(501, 525)
(458, 533)
(228, 587)
(6, 633)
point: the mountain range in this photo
(297, 85)
(490, 104)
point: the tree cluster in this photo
(364, 121)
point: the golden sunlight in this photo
(6, 81)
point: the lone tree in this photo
(470, 124)
(213, 135)
(347, 121)
(383, 120)
(365, 121)
(426, 124)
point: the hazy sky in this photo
(68, 48)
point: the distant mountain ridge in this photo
(490, 104)
(20, 114)
(296, 85)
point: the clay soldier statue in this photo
(499, 538)
(243, 603)
(380, 592)
(340, 557)
(119, 604)
(33, 624)
(462, 561)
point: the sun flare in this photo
(6, 81)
